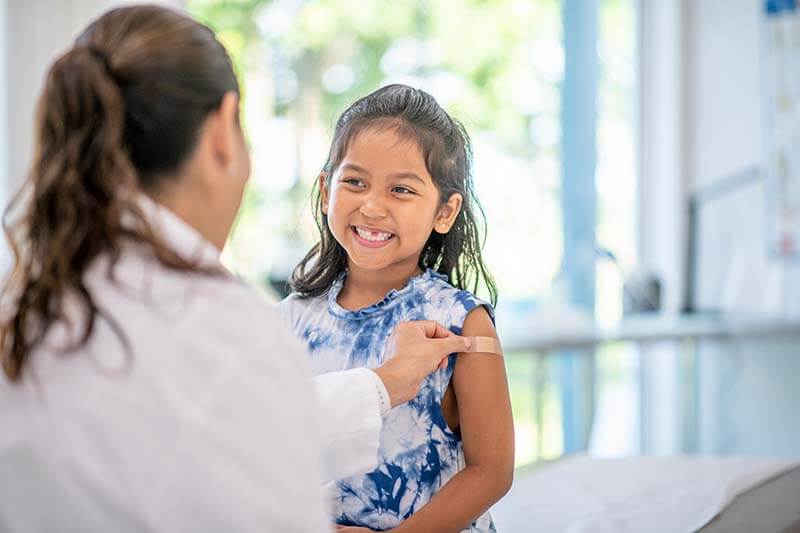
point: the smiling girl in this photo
(399, 240)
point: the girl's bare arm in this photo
(487, 431)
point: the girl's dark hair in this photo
(119, 112)
(413, 114)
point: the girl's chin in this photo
(371, 260)
(367, 264)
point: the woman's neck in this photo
(363, 288)
(184, 195)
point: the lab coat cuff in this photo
(384, 402)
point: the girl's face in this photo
(382, 203)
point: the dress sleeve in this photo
(464, 303)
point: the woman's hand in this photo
(415, 350)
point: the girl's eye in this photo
(402, 190)
(353, 181)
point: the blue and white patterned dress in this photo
(418, 452)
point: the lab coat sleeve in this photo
(349, 421)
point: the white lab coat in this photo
(211, 424)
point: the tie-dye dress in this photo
(418, 452)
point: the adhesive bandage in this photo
(484, 345)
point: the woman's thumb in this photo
(454, 344)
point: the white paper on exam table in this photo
(669, 495)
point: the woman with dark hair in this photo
(146, 389)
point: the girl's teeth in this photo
(372, 236)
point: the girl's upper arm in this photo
(484, 405)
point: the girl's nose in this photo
(372, 208)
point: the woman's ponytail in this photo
(119, 111)
(80, 177)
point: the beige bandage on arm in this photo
(484, 345)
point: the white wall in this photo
(724, 134)
(723, 91)
(3, 100)
(701, 122)
(747, 387)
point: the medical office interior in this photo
(639, 165)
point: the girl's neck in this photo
(363, 288)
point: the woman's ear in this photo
(324, 192)
(227, 132)
(448, 213)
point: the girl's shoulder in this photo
(295, 306)
(455, 303)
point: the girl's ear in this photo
(448, 213)
(324, 193)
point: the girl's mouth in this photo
(371, 238)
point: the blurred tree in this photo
(482, 55)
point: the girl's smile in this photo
(371, 237)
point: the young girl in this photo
(399, 241)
